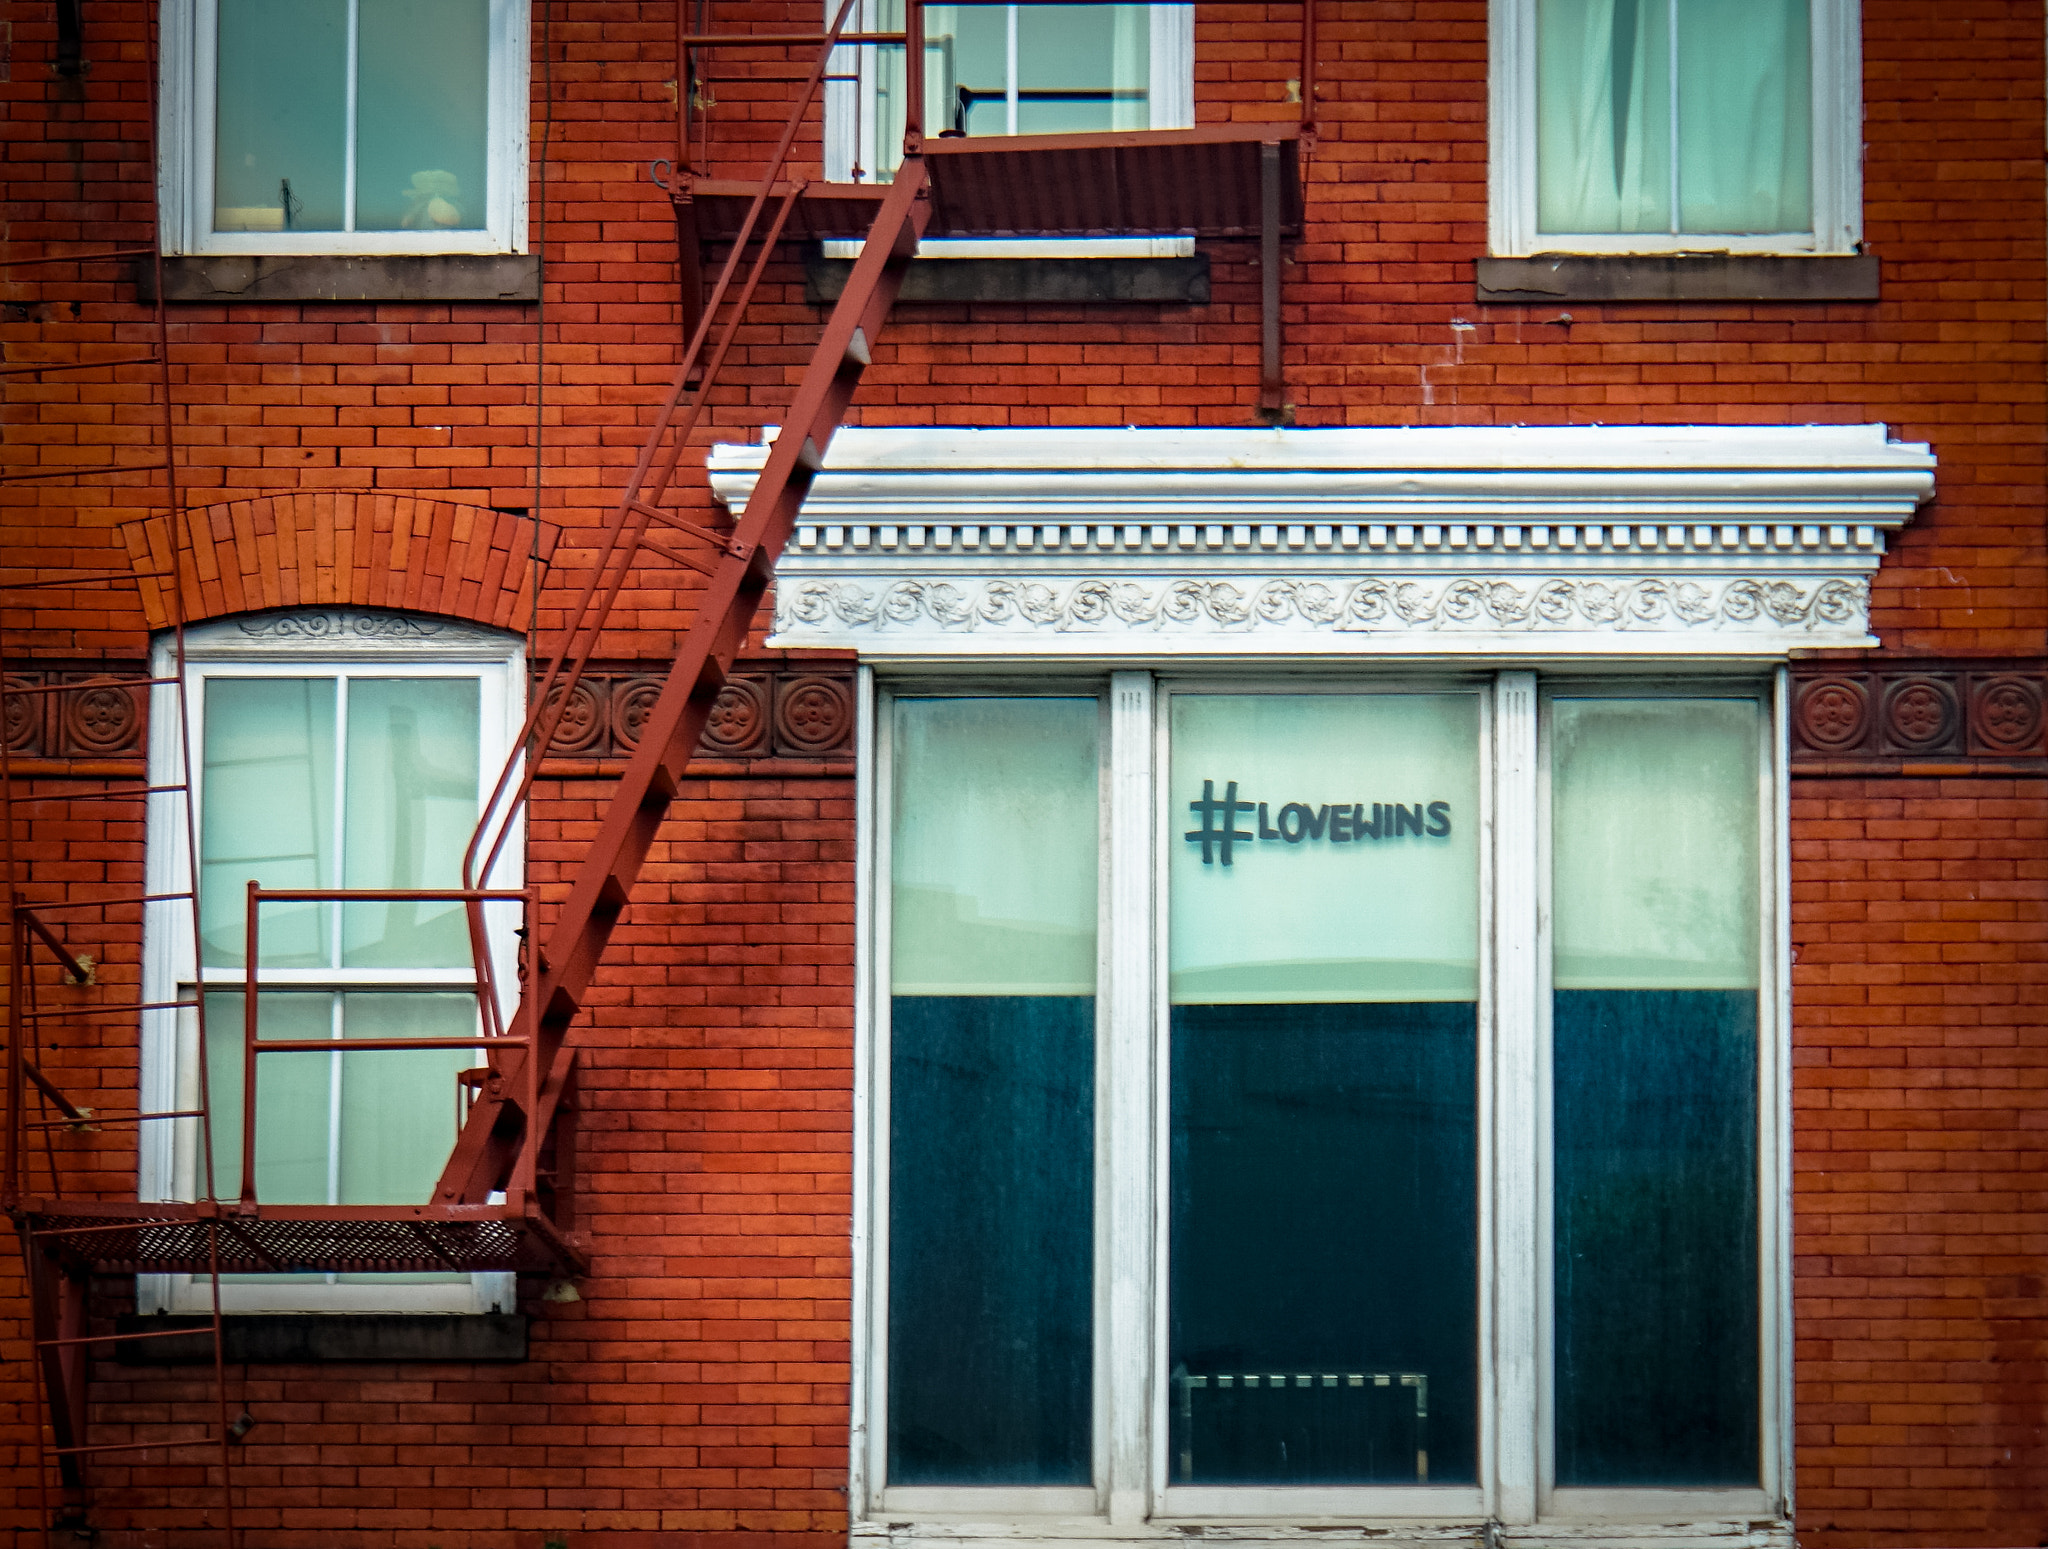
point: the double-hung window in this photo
(1348, 1100)
(319, 769)
(345, 126)
(1637, 126)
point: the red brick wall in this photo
(700, 1385)
(1920, 1228)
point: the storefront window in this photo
(1416, 1038)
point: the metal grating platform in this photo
(171, 1238)
(1204, 181)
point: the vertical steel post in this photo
(1273, 406)
(913, 77)
(249, 1049)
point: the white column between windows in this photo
(1517, 1084)
(1128, 1118)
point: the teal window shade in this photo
(332, 116)
(1310, 906)
(1674, 117)
(1655, 839)
(993, 849)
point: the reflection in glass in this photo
(422, 114)
(266, 814)
(413, 756)
(281, 115)
(1324, 970)
(1655, 844)
(991, 1091)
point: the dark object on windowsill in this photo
(224, 279)
(291, 1338)
(1048, 281)
(1705, 277)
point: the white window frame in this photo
(170, 1153)
(1837, 57)
(190, 57)
(1130, 1496)
(850, 125)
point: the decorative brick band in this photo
(803, 712)
(342, 548)
(93, 716)
(1891, 717)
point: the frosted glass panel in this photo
(412, 804)
(1082, 68)
(267, 813)
(293, 1108)
(1325, 848)
(1654, 843)
(993, 859)
(1745, 95)
(423, 114)
(281, 124)
(398, 1106)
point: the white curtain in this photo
(993, 855)
(1310, 917)
(1654, 843)
(1604, 116)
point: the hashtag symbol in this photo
(1219, 820)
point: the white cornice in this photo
(971, 522)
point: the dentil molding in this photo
(1701, 540)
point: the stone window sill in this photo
(1046, 281)
(224, 279)
(294, 1338)
(1706, 277)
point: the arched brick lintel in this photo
(356, 548)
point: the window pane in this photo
(293, 1098)
(1323, 1299)
(398, 1105)
(1082, 68)
(267, 813)
(991, 1071)
(1603, 116)
(423, 114)
(280, 123)
(1654, 867)
(1745, 106)
(1654, 1029)
(968, 68)
(993, 851)
(412, 801)
(1347, 866)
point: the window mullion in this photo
(348, 150)
(1517, 1079)
(1125, 1129)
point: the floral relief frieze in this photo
(1828, 605)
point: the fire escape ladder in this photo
(726, 607)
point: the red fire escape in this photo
(490, 1210)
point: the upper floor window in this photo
(345, 126)
(1675, 126)
(995, 69)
